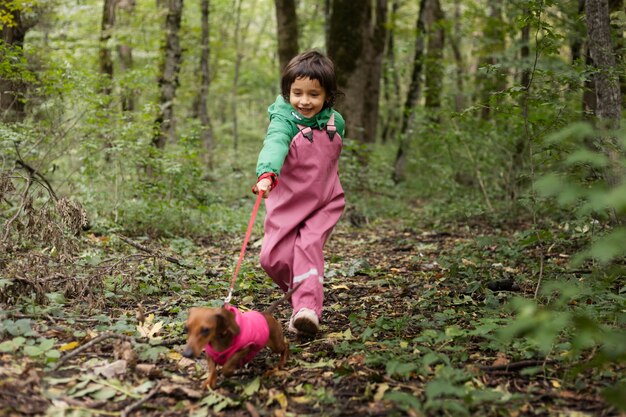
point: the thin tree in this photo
(491, 81)
(13, 87)
(413, 95)
(125, 54)
(106, 32)
(391, 78)
(357, 46)
(434, 21)
(168, 78)
(201, 111)
(455, 44)
(287, 29)
(607, 88)
(235, 86)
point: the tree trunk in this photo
(412, 97)
(616, 6)
(238, 58)
(434, 21)
(494, 44)
(459, 100)
(125, 54)
(607, 91)
(356, 44)
(168, 78)
(391, 79)
(525, 51)
(608, 100)
(576, 45)
(106, 31)
(287, 22)
(13, 89)
(201, 110)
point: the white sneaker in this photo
(305, 322)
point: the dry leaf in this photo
(69, 346)
(112, 369)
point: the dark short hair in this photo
(313, 65)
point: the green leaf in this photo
(104, 394)
(402, 369)
(616, 396)
(404, 400)
(33, 351)
(439, 387)
(12, 345)
(252, 387)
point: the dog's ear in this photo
(228, 323)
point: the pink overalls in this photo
(253, 332)
(300, 214)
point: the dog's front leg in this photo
(211, 380)
(233, 362)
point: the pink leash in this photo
(257, 204)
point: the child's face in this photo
(307, 96)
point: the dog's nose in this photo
(188, 353)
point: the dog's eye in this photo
(205, 331)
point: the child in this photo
(299, 165)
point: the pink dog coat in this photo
(253, 332)
(301, 212)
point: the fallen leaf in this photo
(172, 389)
(279, 397)
(500, 360)
(112, 369)
(467, 262)
(69, 346)
(339, 287)
(147, 369)
(380, 392)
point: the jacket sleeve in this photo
(275, 147)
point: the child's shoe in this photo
(304, 322)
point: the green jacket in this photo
(283, 128)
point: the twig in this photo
(540, 275)
(253, 412)
(126, 411)
(151, 252)
(516, 366)
(89, 344)
(479, 177)
(29, 183)
(32, 172)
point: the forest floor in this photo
(409, 328)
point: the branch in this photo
(151, 252)
(516, 366)
(33, 173)
(126, 411)
(89, 344)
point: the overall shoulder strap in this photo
(307, 132)
(331, 129)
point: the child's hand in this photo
(264, 186)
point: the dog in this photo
(231, 338)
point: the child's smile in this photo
(307, 96)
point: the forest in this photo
(478, 269)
